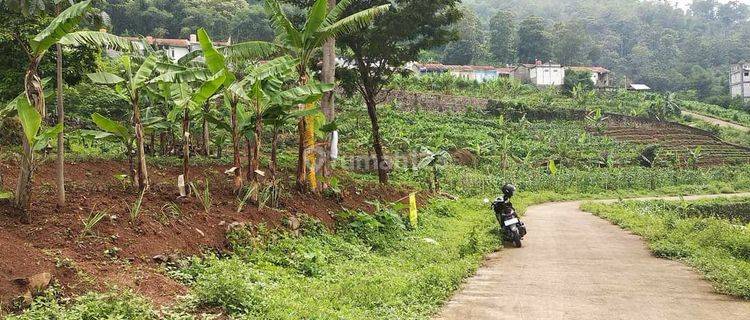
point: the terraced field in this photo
(677, 139)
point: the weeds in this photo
(169, 211)
(203, 196)
(91, 221)
(135, 209)
(243, 201)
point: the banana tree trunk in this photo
(238, 178)
(25, 181)
(274, 147)
(140, 148)
(206, 141)
(33, 86)
(186, 144)
(131, 162)
(255, 163)
(306, 168)
(35, 96)
(60, 120)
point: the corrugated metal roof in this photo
(639, 87)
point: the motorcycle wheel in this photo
(517, 243)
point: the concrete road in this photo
(576, 266)
(716, 121)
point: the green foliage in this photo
(580, 80)
(113, 305)
(720, 249)
(91, 221)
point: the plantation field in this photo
(678, 144)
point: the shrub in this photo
(230, 284)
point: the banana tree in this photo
(58, 31)
(435, 160)
(187, 101)
(323, 23)
(34, 140)
(229, 59)
(112, 128)
(135, 81)
(265, 90)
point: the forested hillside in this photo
(647, 41)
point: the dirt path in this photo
(716, 121)
(576, 266)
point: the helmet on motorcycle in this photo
(509, 190)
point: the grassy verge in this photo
(717, 247)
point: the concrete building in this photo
(175, 48)
(740, 80)
(546, 74)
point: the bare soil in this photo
(120, 253)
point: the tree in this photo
(230, 60)
(321, 25)
(395, 38)
(534, 42)
(570, 42)
(470, 45)
(503, 37)
(58, 31)
(136, 79)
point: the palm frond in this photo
(277, 67)
(145, 71)
(208, 88)
(281, 23)
(335, 13)
(251, 50)
(62, 24)
(97, 39)
(352, 23)
(189, 57)
(303, 94)
(105, 78)
(315, 19)
(183, 76)
(214, 59)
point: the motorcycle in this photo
(513, 229)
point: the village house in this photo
(740, 80)
(546, 74)
(476, 73)
(175, 48)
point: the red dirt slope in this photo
(120, 253)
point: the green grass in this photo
(372, 268)
(717, 247)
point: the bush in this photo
(230, 284)
(113, 305)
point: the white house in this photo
(546, 74)
(175, 48)
(476, 73)
(740, 80)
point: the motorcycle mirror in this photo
(486, 200)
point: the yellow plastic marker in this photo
(413, 210)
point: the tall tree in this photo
(321, 25)
(327, 103)
(534, 41)
(503, 37)
(570, 42)
(471, 43)
(32, 105)
(396, 37)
